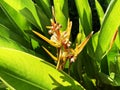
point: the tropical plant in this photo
(29, 51)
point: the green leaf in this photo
(61, 12)
(99, 11)
(95, 41)
(45, 21)
(26, 72)
(28, 15)
(108, 28)
(10, 39)
(15, 18)
(112, 58)
(5, 21)
(7, 33)
(45, 6)
(84, 12)
(19, 5)
(6, 42)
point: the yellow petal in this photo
(46, 39)
(50, 54)
(80, 47)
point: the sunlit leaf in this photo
(7, 33)
(84, 12)
(108, 28)
(61, 11)
(26, 72)
(45, 6)
(19, 5)
(17, 20)
(99, 11)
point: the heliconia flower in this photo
(61, 38)
(61, 41)
(71, 54)
(54, 28)
(65, 36)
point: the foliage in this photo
(27, 60)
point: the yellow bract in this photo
(79, 48)
(46, 39)
(51, 55)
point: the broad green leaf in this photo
(15, 18)
(45, 21)
(108, 28)
(5, 21)
(10, 39)
(95, 41)
(84, 12)
(6, 42)
(45, 6)
(99, 11)
(19, 5)
(113, 65)
(7, 33)
(28, 15)
(61, 12)
(42, 17)
(26, 72)
(64, 6)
